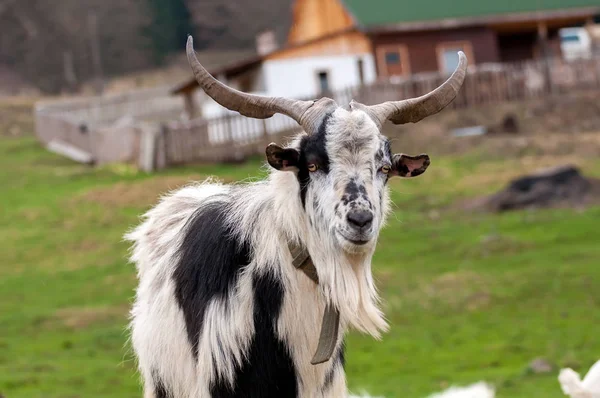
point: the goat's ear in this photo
(409, 166)
(282, 159)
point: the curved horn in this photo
(415, 109)
(249, 105)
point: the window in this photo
(392, 57)
(393, 60)
(450, 59)
(323, 81)
(569, 38)
(448, 55)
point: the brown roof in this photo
(228, 70)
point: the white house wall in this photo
(297, 78)
(292, 78)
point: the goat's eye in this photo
(386, 169)
(312, 167)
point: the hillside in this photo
(57, 46)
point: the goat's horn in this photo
(415, 109)
(249, 105)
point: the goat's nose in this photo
(361, 218)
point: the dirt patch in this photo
(30, 214)
(86, 245)
(139, 194)
(498, 244)
(439, 142)
(460, 289)
(16, 118)
(562, 125)
(78, 318)
(563, 186)
(496, 174)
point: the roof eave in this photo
(234, 68)
(452, 23)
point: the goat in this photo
(235, 280)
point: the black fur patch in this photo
(353, 191)
(313, 150)
(387, 148)
(268, 370)
(160, 391)
(210, 261)
(403, 169)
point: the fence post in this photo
(597, 69)
(149, 148)
(161, 147)
(265, 129)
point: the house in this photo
(336, 44)
(324, 51)
(411, 37)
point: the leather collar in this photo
(331, 317)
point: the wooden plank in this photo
(347, 43)
(161, 149)
(147, 150)
(69, 151)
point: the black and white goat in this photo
(221, 309)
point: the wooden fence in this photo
(226, 138)
(494, 83)
(108, 128)
(234, 137)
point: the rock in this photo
(559, 185)
(540, 365)
(510, 124)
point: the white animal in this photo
(574, 387)
(235, 281)
(477, 390)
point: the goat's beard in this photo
(346, 281)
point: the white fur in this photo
(572, 385)
(268, 214)
(477, 390)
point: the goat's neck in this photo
(345, 279)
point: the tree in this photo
(36, 35)
(168, 27)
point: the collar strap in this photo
(331, 317)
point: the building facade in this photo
(324, 52)
(425, 36)
(332, 45)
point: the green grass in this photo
(469, 296)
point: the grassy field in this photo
(470, 296)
